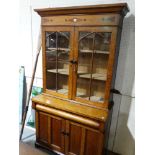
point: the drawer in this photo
(69, 116)
(82, 20)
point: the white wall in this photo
(122, 126)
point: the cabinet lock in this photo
(67, 134)
(64, 133)
(73, 61)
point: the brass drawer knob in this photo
(74, 20)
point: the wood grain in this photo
(82, 20)
(43, 128)
(66, 115)
(72, 107)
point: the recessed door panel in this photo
(43, 128)
(75, 136)
(93, 143)
(57, 127)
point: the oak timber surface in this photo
(87, 111)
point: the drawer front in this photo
(75, 118)
(97, 20)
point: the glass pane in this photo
(57, 61)
(92, 65)
(84, 64)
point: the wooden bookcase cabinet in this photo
(80, 48)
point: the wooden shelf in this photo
(63, 71)
(81, 95)
(95, 99)
(54, 49)
(65, 92)
(59, 61)
(60, 71)
(95, 76)
(82, 50)
(82, 74)
(95, 51)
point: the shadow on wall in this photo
(120, 139)
(126, 61)
(124, 142)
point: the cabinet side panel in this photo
(75, 139)
(43, 127)
(56, 132)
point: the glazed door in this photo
(94, 54)
(57, 54)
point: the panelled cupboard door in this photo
(57, 44)
(56, 136)
(50, 131)
(42, 127)
(94, 54)
(82, 140)
(74, 144)
(94, 142)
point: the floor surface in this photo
(27, 144)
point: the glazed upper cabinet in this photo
(78, 62)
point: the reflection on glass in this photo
(57, 61)
(92, 65)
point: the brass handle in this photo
(63, 132)
(73, 61)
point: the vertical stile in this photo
(91, 66)
(56, 61)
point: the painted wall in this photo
(121, 138)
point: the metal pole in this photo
(31, 85)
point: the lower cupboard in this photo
(67, 137)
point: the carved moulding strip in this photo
(75, 20)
